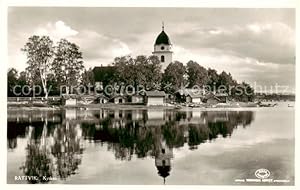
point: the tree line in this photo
(146, 71)
(52, 65)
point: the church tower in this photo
(163, 156)
(163, 49)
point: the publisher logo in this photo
(262, 173)
(262, 176)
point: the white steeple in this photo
(163, 48)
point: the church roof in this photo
(162, 38)
(163, 171)
(104, 73)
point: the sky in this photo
(254, 45)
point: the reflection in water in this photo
(163, 160)
(66, 148)
(55, 139)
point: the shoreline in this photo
(216, 107)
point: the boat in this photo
(267, 105)
(178, 107)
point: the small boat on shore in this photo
(178, 107)
(267, 105)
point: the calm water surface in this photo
(151, 146)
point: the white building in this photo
(194, 98)
(69, 99)
(163, 49)
(155, 98)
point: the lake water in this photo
(151, 146)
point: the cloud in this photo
(56, 30)
(266, 42)
(98, 48)
(95, 46)
(251, 44)
(242, 68)
(254, 52)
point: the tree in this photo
(153, 73)
(68, 64)
(39, 51)
(88, 77)
(53, 85)
(12, 80)
(141, 70)
(174, 77)
(23, 78)
(226, 79)
(244, 92)
(148, 72)
(197, 75)
(213, 78)
(126, 72)
(22, 81)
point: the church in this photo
(163, 49)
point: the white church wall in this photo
(168, 58)
(162, 47)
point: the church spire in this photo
(163, 26)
